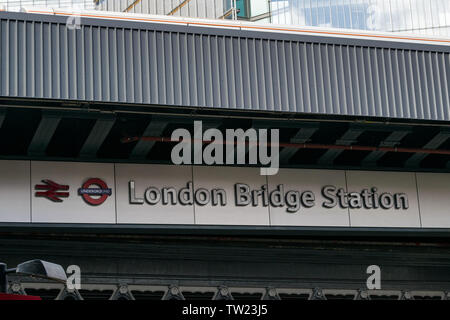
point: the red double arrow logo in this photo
(54, 191)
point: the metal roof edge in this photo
(237, 29)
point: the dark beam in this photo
(44, 133)
(347, 139)
(264, 124)
(282, 124)
(434, 143)
(391, 141)
(78, 114)
(207, 124)
(304, 133)
(154, 129)
(2, 116)
(302, 136)
(97, 136)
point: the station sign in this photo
(108, 193)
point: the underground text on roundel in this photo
(293, 200)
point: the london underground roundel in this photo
(94, 191)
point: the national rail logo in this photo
(51, 190)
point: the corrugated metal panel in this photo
(182, 66)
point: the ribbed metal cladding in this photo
(107, 62)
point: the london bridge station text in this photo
(293, 200)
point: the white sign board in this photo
(107, 193)
(15, 197)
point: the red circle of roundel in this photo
(88, 198)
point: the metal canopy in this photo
(40, 134)
(196, 66)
